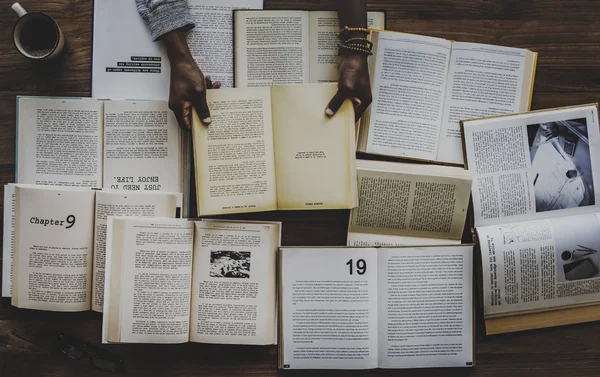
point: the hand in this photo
(353, 84)
(188, 91)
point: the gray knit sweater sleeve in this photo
(163, 16)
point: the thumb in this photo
(202, 108)
(335, 103)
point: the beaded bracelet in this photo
(362, 41)
(346, 29)
(361, 49)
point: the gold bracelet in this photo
(346, 29)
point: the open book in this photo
(174, 281)
(362, 308)
(409, 204)
(423, 86)
(59, 243)
(280, 47)
(535, 184)
(273, 148)
(127, 64)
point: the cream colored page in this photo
(323, 30)
(483, 81)
(122, 204)
(425, 307)
(394, 203)
(59, 142)
(408, 85)
(141, 146)
(271, 48)
(156, 280)
(235, 171)
(53, 248)
(8, 239)
(314, 154)
(111, 317)
(381, 240)
(233, 286)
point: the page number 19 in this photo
(361, 266)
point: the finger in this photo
(216, 85)
(359, 111)
(186, 114)
(202, 108)
(335, 103)
(178, 111)
(356, 101)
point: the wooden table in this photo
(566, 33)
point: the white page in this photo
(426, 307)
(233, 285)
(59, 141)
(141, 146)
(156, 280)
(122, 41)
(374, 239)
(53, 248)
(8, 239)
(329, 315)
(519, 174)
(408, 85)
(142, 204)
(483, 80)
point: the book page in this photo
(484, 80)
(127, 64)
(426, 307)
(410, 204)
(233, 285)
(8, 239)
(314, 154)
(358, 239)
(540, 265)
(329, 308)
(271, 48)
(141, 146)
(155, 281)
(59, 141)
(323, 31)
(53, 246)
(123, 204)
(235, 169)
(534, 165)
(408, 84)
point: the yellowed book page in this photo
(233, 287)
(271, 48)
(156, 281)
(53, 248)
(411, 204)
(381, 240)
(235, 168)
(314, 154)
(144, 204)
(323, 31)
(111, 318)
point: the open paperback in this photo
(423, 86)
(409, 204)
(274, 148)
(174, 281)
(281, 47)
(58, 257)
(535, 178)
(363, 308)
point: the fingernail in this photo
(206, 121)
(328, 112)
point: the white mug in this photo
(36, 35)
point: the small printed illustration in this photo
(561, 164)
(577, 248)
(230, 264)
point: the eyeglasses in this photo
(100, 358)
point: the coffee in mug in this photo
(36, 35)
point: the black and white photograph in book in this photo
(577, 248)
(230, 264)
(561, 164)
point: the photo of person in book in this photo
(561, 164)
(578, 249)
(168, 20)
(229, 264)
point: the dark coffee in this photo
(39, 36)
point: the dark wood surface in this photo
(566, 33)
